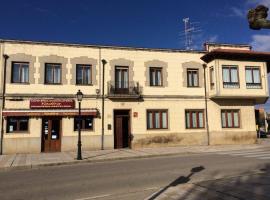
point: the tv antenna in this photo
(190, 29)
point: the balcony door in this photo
(121, 80)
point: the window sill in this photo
(18, 132)
(155, 129)
(84, 84)
(195, 128)
(53, 84)
(18, 83)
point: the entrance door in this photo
(51, 135)
(121, 129)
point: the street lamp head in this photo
(104, 62)
(79, 95)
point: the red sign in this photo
(52, 103)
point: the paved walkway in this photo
(22, 161)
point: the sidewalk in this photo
(25, 161)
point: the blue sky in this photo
(139, 23)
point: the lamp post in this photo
(104, 62)
(79, 96)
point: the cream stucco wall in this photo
(174, 96)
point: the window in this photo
(212, 84)
(86, 123)
(194, 119)
(121, 77)
(52, 73)
(155, 76)
(253, 77)
(17, 124)
(157, 119)
(230, 118)
(83, 74)
(192, 78)
(20, 72)
(230, 77)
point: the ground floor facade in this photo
(32, 127)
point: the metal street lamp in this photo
(79, 96)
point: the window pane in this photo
(248, 76)
(25, 74)
(187, 120)
(194, 120)
(16, 73)
(118, 78)
(236, 119)
(76, 123)
(201, 119)
(79, 75)
(195, 78)
(229, 116)
(157, 121)
(49, 78)
(88, 75)
(57, 74)
(23, 125)
(158, 77)
(125, 78)
(234, 75)
(164, 119)
(153, 77)
(226, 75)
(256, 76)
(223, 119)
(149, 120)
(11, 125)
(88, 123)
(189, 78)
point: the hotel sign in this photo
(52, 103)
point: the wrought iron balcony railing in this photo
(124, 89)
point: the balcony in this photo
(124, 90)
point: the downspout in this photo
(3, 101)
(104, 62)
(206, 108)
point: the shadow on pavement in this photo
(180, 180)
(248, 186)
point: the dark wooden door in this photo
(121, 129)
(51, 135)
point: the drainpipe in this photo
(206, 108)
(104, 62)
(3, 101)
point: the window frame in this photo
(54, 66)
(18, 119)
(226, 117)
(230, 77)
(155, 69)
(91, 74)
(192, 70)
(20, 74)
(122, 69)
(160, 111)
(83, 118)
(197, 111)
(254, 84)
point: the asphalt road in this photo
(126, 179)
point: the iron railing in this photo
(123, 88)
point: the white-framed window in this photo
(253, 77)
(230, 76)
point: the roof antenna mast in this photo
(190, 28)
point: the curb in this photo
(66, 163)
